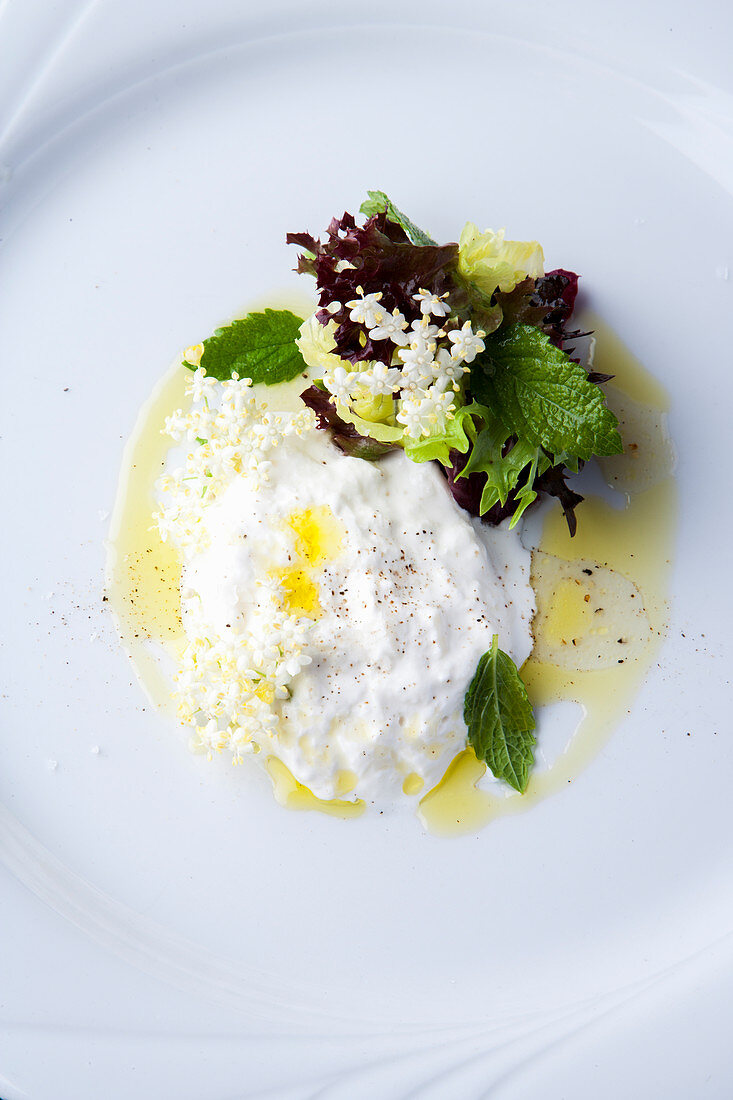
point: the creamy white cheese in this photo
(405, 590)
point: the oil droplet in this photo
(346, 782)
(412, 783)
(300, 591)
(634, 542)
(295, 796)
(567, 615)
(588, 615)
(318, 534)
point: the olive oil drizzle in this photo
(634, 540)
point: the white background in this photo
(167, 930)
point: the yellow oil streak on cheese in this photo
(295, 796)
(300, 591)
(346, 781)
(318, 534)
(635, 541)
(412, 783)
(318, 537)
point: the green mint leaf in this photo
(260, 346)
(499, 718)
(542, 396)
(379, 203)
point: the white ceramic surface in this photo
(167, 929)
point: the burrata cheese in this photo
(396, 593)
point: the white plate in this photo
(168, 929)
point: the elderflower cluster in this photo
(425, 367)
(229, 688)
(228, 433)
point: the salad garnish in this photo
(459, 354)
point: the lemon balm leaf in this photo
(260, 346)
(499, 718)
(542, 396)
(379, 203)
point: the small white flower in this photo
(340, 384)
(427, 414)
(294, 664)
(466, 343)
(431, 304)
(442, 410)
(381, 379)
(266, 435)
(416, 378)
(200, 386)
(417, 359)
(411, 417)
(210, 737)
(392, 327)
(422, 334)
(365, 310)
(176, 426)
(447, 370)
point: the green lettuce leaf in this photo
(499, 718)
(460, 433)
(260, 346)
(494, 454)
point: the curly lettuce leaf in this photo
(509, 465)
(458, 436)
(493, 263)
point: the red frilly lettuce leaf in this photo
(547, 303)
(378, 257)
